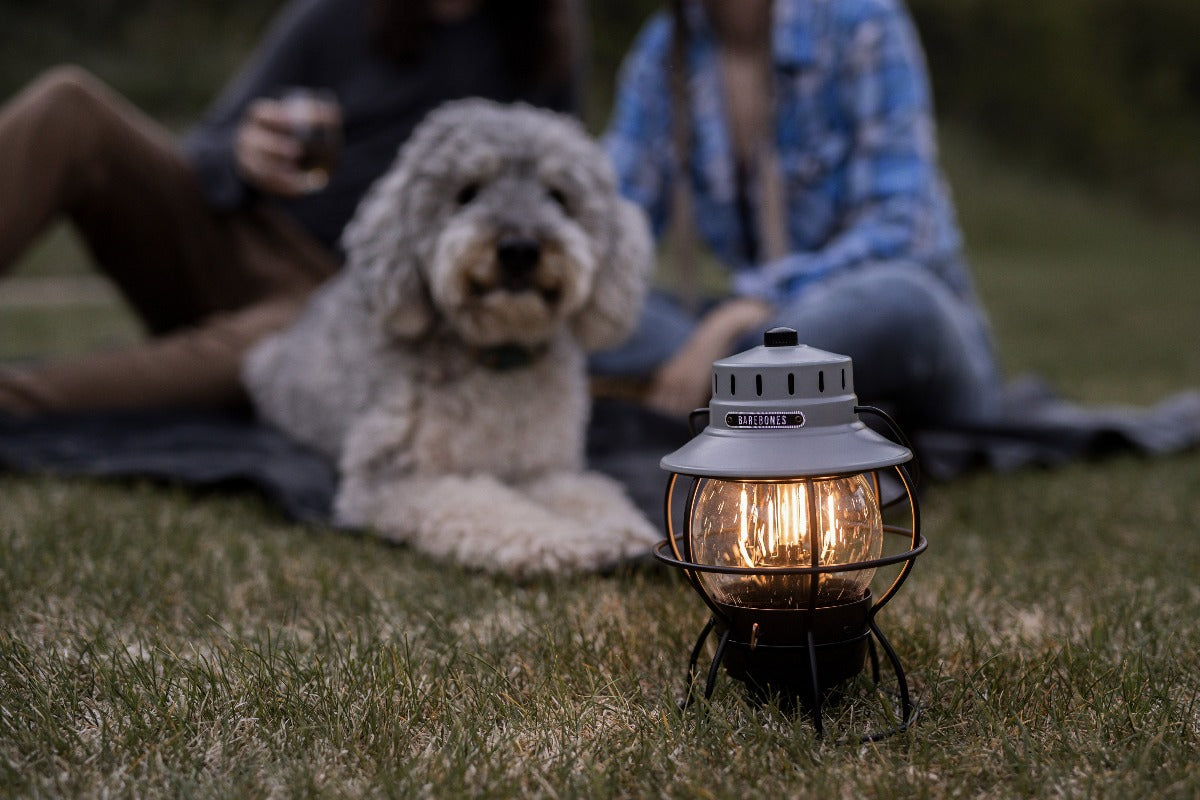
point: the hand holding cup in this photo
(290, 145)
(316, 123)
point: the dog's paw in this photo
(479, 522)
(566, 524)
(598, 507)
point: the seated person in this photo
(220, 241)
(796, 139)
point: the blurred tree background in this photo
(169, 57)
(1107, 91)
(1103, 90)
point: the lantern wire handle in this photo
(669, 516)
(909, 481)
(897, 432)
(686, 557)
(918, 542)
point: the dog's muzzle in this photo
(518, 257)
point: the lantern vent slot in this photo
(715, 390)
(732, 384)
(758, 385)
(791, 383)
(843, 379)
(821, 381)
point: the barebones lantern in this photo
(780, 529)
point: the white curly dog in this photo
(444, 369)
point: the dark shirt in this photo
(325, 43)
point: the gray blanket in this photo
(214, 452)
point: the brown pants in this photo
(207, 285)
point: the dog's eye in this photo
(559, 197)
(467, 193)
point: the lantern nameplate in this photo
(765, 420)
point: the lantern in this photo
(782, 525)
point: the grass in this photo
(156, 643)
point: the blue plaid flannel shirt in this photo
(854, 133)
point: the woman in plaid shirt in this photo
(804, 132)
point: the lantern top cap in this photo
(781, 337)
(784, 409)
(781, 348)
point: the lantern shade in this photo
(784, 410)
(845, 450)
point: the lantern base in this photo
(759, 647)
(764, 652)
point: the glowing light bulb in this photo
(800, 523)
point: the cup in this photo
(315, 118)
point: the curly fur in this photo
(385, 370)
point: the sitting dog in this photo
(444, 369)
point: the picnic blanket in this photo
(210, 451)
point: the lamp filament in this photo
(800, 523)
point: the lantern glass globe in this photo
(806, 522)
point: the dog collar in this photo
(505, 357)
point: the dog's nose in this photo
(518, 256)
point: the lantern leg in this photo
(873, 654)
(711, 683)
(908, 712)
(693, 663)
(816, 685)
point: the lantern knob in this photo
(781, 337)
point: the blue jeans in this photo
(918, 349)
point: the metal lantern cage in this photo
(783, 529)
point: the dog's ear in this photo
(621, 280)
(382, 260)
